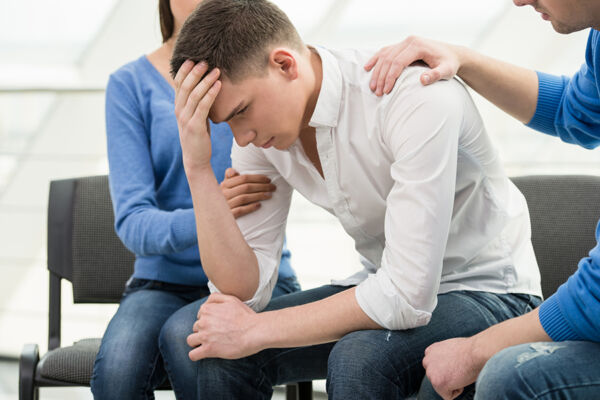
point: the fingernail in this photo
(426, 78)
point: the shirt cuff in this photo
(381, 301)
(553, 321)
(550, 91)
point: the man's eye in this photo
(243, 110)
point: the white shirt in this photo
(413, 179)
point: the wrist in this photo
(258, 334)
(464, 58)
(480, 352)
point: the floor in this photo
(9, 377)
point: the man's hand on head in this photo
(195, 94)
(223, 329)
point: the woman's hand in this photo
(245, 192)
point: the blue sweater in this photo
(570, 109)
(151, 197)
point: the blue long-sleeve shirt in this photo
(151, 198)
(570, 109)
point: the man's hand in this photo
(245, 192)
(193, 99)
(389, 62)
(223, 329)
(451, 366)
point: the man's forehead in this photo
(224, 103)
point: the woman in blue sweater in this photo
(155, 220)
(554, 351)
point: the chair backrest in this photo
(564, 210)
(82, 244)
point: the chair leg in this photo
(299, 391)
(30, 356)
(305, 390)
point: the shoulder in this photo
(131, 74)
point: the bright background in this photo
(55, 57)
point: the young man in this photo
(412, 177)
(570, 109)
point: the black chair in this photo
(564, 210)
(84, 249)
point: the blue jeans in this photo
(544, 371)
(129, 364)
(368, 364)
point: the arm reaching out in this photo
(454, 364)
(511, 88)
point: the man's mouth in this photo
(268, 143)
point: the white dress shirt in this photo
(414, 180)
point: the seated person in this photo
(155, 220)
(412, 177)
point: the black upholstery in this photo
(84, 249)
(564, 210)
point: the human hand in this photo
(223, 329)
(390, 61)
(193, 99)
(245, 192)
(451, 366)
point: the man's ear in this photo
(284, 62)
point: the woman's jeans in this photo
(368, 364)
(129, 364)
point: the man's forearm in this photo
(313, 323)
(511, 88)
(226, 258)
(524, 329)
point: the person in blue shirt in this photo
(154, 218)
(553, 351)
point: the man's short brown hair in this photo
(234, 36)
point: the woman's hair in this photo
(167, 21)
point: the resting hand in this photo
(389, 62)
(451, 366)
(193, 99)
(245, 192)
(223, 329)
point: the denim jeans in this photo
(129, 364)
(368, 364)
(544, 371)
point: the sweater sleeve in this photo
(142, 226)
(569, 108)
(573, 312)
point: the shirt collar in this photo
(328, 104)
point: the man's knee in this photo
(506, 374)
(360, 363)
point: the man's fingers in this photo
(200, 115)
(199, 353)
(184, 70)
(187, 83)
